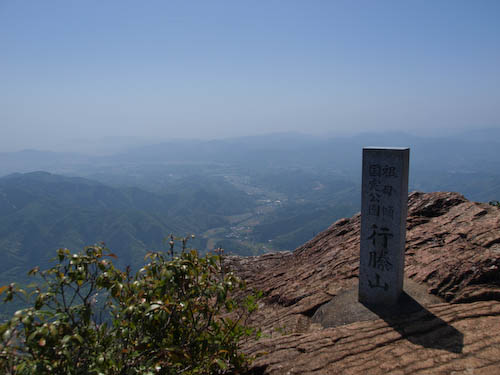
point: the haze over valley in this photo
(248, 195)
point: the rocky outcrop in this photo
(452, 253)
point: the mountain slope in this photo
(40, 212)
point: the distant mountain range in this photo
(474, 151)
(249, 195)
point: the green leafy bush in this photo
(176, 315)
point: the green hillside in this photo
(40, 212)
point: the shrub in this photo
(176, 315)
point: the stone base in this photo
(345, 308)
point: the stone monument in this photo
(384, 204)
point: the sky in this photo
(159, 70)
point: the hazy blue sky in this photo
(211, 69)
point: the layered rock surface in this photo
(452, 253)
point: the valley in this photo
(248, 195)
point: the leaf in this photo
(78, 338)
(221, 363)
(6, 335)
(32, 336)
(154, 306)
(65, 339)
(112, 255)
(20, 367)
(2, 288)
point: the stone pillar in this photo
(384, 205)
